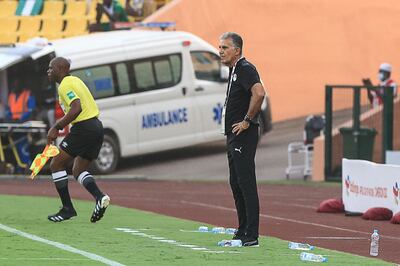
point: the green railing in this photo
(387, 118)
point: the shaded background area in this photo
(299, 46)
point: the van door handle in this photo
(184, 90)
(199, 89)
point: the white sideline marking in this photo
(295, 205)
(157, 237)
(172, 242)
(187, 246)
(337, 237)
(89, 255)
(59, 259)
(287, 219)
(191, 231)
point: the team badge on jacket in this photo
(234, 77)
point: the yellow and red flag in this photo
(42, 158)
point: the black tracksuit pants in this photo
(241, 151)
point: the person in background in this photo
(136, 9)
(385, 81)
(245, 94)
(20, 108)
(21, 102)
(114, 12)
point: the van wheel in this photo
(108, 157)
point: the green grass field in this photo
(28, 214)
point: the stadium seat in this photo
(52, 35)
(91, 14)
(52, 27)
(29, 7)
(7, 8)
(75, 9)
(8, 37)
(52, 8)
(75, 27)
(24, 36)
(9, 24)
(29, 27)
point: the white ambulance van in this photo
(156, 90)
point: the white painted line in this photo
(157, 237)
(167, 241)
(221, 252)
(173, 242)
(337, 237)
(188, 246)
(89, 255)
(294, 204)
(200, 248)
(287, 219)
(138, 234)
(191, 231)
(59, 259)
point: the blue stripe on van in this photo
(103, 84)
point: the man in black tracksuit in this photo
(244, 97)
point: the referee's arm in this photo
(73, 113)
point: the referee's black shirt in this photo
(238, 101)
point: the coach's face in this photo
(228, 52)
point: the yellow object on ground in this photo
(42, 158)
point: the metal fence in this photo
(350, 106)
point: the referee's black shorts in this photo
(85, 139)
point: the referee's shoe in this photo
(100, 208)
(62, 215)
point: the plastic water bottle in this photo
(218, 230)
(230, 231)
(300, 246)
(374, 249)
(230, 243)
(304, 256)
(203, 229)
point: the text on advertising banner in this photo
(366, 185)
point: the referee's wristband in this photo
(57, 126)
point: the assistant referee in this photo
(243, 101)
(82, 144)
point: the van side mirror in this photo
(224, 74)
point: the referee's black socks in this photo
(60, 179)
(87, 180)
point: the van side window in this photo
(176, 65)
(98, 79)
(158, 72)
(163, 72)
(206, 65)
(123, 78)
(144, 75)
